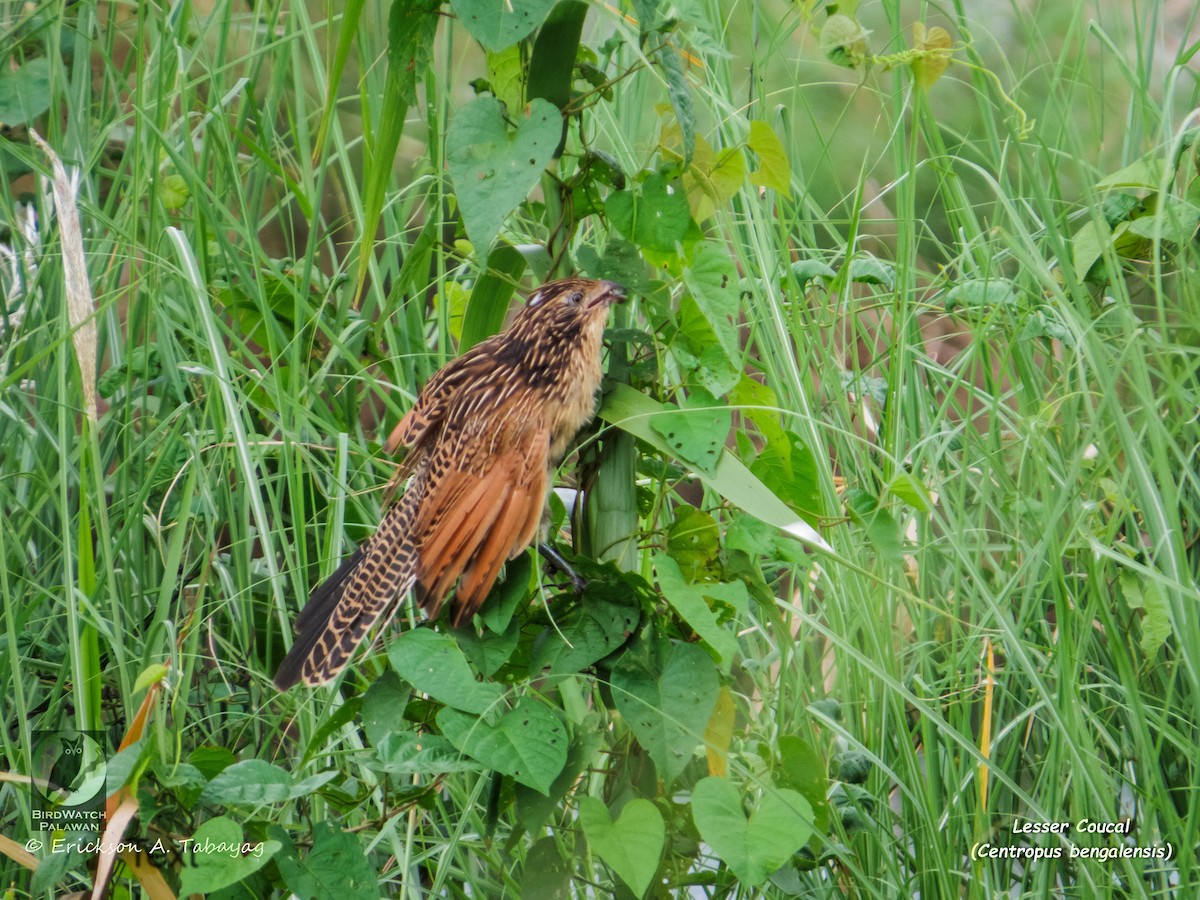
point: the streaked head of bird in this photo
(569, 314)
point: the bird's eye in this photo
(575, 298)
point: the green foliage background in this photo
(890, 522)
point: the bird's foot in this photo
(556, 561)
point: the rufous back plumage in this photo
(482, 439)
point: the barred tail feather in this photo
(340, 612)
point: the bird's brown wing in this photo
(421, 423)
(478, 513)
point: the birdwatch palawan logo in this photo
(68, 770)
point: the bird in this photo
(483, 437)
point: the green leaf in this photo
(774, 171)
(489, 650)
(788, 468)
(882, 529)
(334, 867)
(347, 33)
(1088, 245)
(433, 663)
(870, 270)
(620, 262)
(24, 93)
(248, 783)
(711, 279)
(905, 486)
(588, 633)
(1145, 594)
(632, 411)
(656, 217)
(688, 600)
(383, 707)
(694, 542)
(546, 875)
(844, 41)
(981, 293)
(152, 674)
(632, 845)
(668, 711)
(806, 270)
(680, 94)
(497, 25)
(502, 602)
(408, 753)
(528, 743)
(754, 845)
(218, 856)
(696, 432)
(1141, 174)
(534, 808)
(506, 73)
(173, 191)
(494, 169)
(801, 769)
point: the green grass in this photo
(1029, 611)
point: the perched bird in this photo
(482, 439)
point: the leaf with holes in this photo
(494, 169)
(655, 217)
(668, 713)
(498, 25)
(753, 845)
(588, 633)
(712, 282)
(632, 845)
(528, 743)
(696, 432)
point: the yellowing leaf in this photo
(774, 171)
(934, 48)
(844, 41)
(719, 734)
(712, 178)
(506, 72)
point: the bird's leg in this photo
(556, 560)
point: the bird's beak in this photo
(612, 293)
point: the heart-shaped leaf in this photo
(589, 632)
(632, 845)
(696, 433)
(494, 169)
(249, 783)
(752, 846)
(528, 743)
(220, 857)
(668, 714)
(432, 662)
(334, 867)
(498, 25)
(656, 217)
